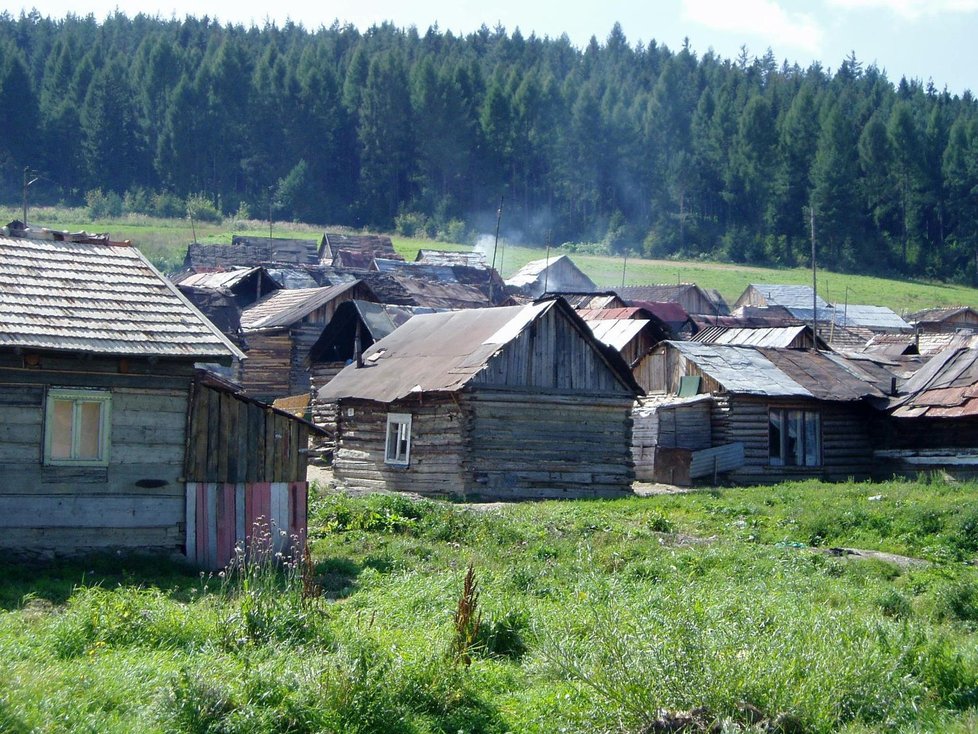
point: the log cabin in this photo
(109, 435)
(776, 414)
(279, 330)
(513, 402)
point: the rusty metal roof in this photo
(778, 372)
(98, 298)
(285, 307)
(945, 387)
(442, 352)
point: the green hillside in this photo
(165, 241)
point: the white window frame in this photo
(400, 423)
(104, 399)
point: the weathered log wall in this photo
(438, 428)
(136, 501)
(847, 449)
(530, 446)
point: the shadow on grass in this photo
(54, 580)
(337, 577)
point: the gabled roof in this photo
(778, 372)
(98, 297)
(216, 279)
(442, 352)
(617, 333)
(945, 387)
(285, 307)
(377, 319)
(789, 296)
(669, 293)
(563, 273)
(444, 257)
(359, 249)
(937, 315)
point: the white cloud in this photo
(765, 19)
(910, 9)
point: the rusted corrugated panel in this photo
(98, 298)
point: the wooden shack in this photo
(692, 298)
(355, 251)
(503, 403)
(246, 475)
(796, 413)
(550, 275)
(279, 331)
(959, 319)
(97, 353)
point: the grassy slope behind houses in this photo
(596, 616)
(165, 241)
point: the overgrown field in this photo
(165, 242)
(706, 609)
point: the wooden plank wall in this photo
(265, 374)
(535, 446)
(681, 425)
(847, 449)
(551, 355)
(233, 440)
(137, 501)
(438, 428)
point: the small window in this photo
(77, 427)
(794, 437)
(398, 449)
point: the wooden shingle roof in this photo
(98, 298)
(285, 307)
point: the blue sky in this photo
(923, 39)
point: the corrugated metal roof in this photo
(441, 352)
(789, 296)
(220, 279)
(779, 372)
(742, 370)
(629, 312)
(285, 307)
(777, 336)
(871, 317)
(98, 299)
(617, 333)
(937, 315)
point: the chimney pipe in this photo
(358, 347)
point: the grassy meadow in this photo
(715, 610)
(165, 242)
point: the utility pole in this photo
(811, 213)
(495, 244)
(27, 185)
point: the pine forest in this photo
(628, 147)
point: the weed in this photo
(467, 621)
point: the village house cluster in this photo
(140, 411)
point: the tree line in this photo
(628, 147)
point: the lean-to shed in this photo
(503, 403)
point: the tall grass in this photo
(603, 616)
